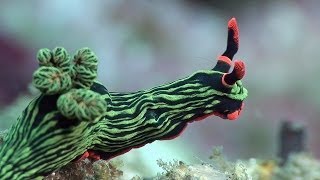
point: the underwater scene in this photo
(159, 90)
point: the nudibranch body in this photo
(77, 117)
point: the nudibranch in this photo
(76, 117)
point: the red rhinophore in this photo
(232, 25)
(239, 66)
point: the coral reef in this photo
(75, 117)
(219, 169)
(89, 170)
(299, 166)
(180, 170)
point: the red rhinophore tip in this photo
(237, 74)
(239, 67)
(232, 26)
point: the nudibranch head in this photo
(233, 93)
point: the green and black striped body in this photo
(74, 114)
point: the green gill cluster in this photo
(72, 78)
